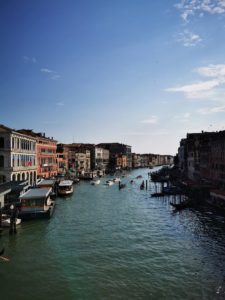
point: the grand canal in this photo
(106, 243)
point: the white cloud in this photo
(212, 110)
(189, 39)
(27, 59)
(212, 71)
(53, 75)
(45, 70)
(205, 89)
(151, 120)
(196, 90)
(190, 8)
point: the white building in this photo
(17, 156)
(101, 159)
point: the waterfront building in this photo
(46, 154)
(117, 149)
(101, 160)
(18, 160)
(121, 161)
(79, 158)
(145, 160)
(217, 160)
(11, 191)
(62, 158)
(136, 160)
(182, 157)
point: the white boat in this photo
(65, 187)
(109, 182)
(95, 181)
(6, 221)
(117, 179)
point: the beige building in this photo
(17, 156)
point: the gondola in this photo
(181, 205)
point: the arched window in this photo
(1, 161)
(2, 142)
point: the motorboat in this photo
(95, 181)
(65, 187)
(109, 182)
(117, 179)
(36, 203)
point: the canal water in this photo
(106, 243)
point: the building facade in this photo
(46, 154)
(116, 149)
(101, 159)
(18, 159)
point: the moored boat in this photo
(95, 181)
(36, 203)
(183, 204)
(65, 187)
(6, 221)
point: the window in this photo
(1, 161)
(2, 142)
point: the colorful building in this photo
(18, 160)
(46, 154)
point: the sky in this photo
(140, 72)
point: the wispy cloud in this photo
(27, 59)
(189, 39)
(53, 75)
(203, 89)
(211, 110)
(45, 70)
(150, 120)
(212, 71)
(190, 8)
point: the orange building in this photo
(121, 161)
(46, 154)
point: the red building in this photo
(46, 154)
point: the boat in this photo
(122, 185)
(181, 205)
(76, 180)
(116, 179)
(36, 203)
(109, 182)
(95, 181)
(6, 221)
(142, 186)
(65, 187)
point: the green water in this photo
(106, 243)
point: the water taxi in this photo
(65, 187)
(36, 203)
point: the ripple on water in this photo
(103, 243)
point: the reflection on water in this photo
(106, 243)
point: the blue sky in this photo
(140, 72)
